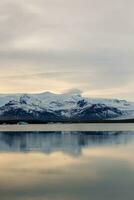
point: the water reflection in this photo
(67, 166)
(69, 142)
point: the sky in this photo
(59, 45)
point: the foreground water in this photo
(67, 165)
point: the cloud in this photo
(80, 44)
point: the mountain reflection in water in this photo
(68, 142)
(66, 166)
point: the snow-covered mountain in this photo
(67, 107)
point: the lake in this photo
(74, 162)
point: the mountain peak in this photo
(73, 92)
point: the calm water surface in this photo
(70, 127)
(67, 165)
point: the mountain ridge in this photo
(67, 107)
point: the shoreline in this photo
(114, 121)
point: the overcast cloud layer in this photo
(57, 45)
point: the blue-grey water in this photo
(67, 165)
